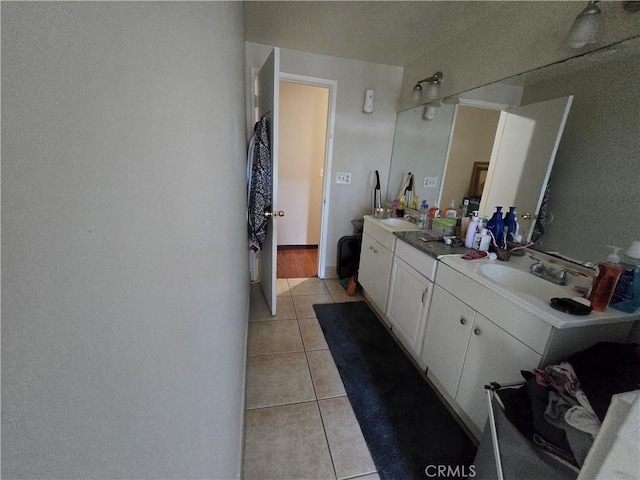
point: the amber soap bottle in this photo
(603, 286)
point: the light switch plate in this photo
(430, 182)
(342, 177)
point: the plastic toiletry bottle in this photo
(400, 209)
(496, 226)
(423, 217)
(451, 212)
(472, 229)
(626, 296)
(510, 224)
(482, 240)
(604, 282)
(394, 208)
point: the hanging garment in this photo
(259, 182)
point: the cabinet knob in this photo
(463, 321)
(476, 331)
(375, 251)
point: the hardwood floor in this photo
(297, 262)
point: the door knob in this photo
(527, 216)
(277, 213)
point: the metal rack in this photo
(514, 456)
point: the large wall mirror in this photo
(592, 196)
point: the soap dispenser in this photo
(626, 296)
(451, 212)
(604, 281)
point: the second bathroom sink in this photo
(524, 282)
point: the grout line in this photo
(326, 438)
(274, 354)
(279, 405)
(324, 429)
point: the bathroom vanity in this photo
(471, 322)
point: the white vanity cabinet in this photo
(410, 293)
(464, 350)
(474, 336)
(492, 355)
(376, 258)
(446, 338)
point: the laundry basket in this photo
(504, 453)
(349, 255)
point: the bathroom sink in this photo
(524, 282)
(398, 223)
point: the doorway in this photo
(304, 158)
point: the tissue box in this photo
(444, 226)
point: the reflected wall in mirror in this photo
(420, 147)
(593, 187)
(474, 131)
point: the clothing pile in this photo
(560, 407)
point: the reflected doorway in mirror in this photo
(478, 178)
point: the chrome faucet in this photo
(559, 276)
(411, 218)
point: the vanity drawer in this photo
(420, 261)
(385, 238)
(523, 325)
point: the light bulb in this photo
(634, 250)
(416, 95)
(585, 27)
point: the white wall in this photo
(362, 142)
(301, 154)
(125, 289)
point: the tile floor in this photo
(298, 423)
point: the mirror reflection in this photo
(593, 184)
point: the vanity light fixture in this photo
(433, 87)
(585, 27)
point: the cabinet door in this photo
(409, 296)
(493, 356)
(446, 337)
(366, 261)
(375, 267)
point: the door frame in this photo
(332, 85)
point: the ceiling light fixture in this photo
(585, 27)
(433, 88)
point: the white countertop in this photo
(539, 307)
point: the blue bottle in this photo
(510, 224)
(496, 226)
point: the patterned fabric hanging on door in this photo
(259, 182)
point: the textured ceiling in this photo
(393, 32)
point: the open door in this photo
(268, 82)
(524, 149)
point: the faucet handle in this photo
(535, 258)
